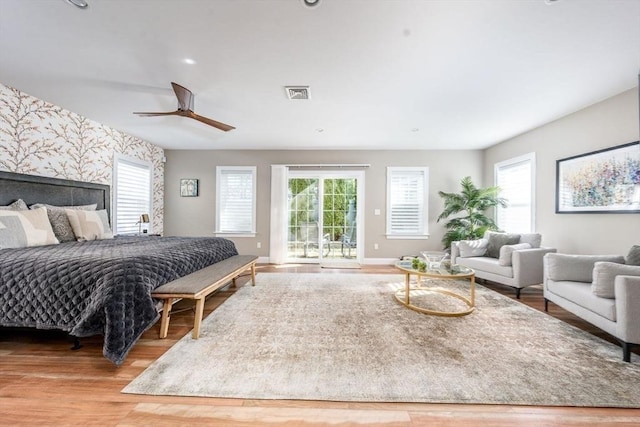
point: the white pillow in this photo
(506, 253)
(471, 248)
(89, 225)
(20, 229)
(604, 275)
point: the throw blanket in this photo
(99, 287)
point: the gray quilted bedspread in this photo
(99, 287)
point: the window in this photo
(516, 179)
(407, 196)
(236, 200)
(132, 183)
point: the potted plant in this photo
(472, 202)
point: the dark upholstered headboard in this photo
(54, 191)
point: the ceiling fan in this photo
(185, 109)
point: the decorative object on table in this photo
(433, 258)
(603, 181)
(189, 187)
(472, 201)
(143, 224)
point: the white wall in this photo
(195, 216)
(611, 122)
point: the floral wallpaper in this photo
(39, 138)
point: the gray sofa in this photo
(510, 259)
(600, 289)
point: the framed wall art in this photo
(189, 187)
(604, 181)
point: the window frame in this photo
(514, 162)
(132, 161)
(219, 171)
(424, 233)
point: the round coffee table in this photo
(454, 272)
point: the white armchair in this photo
(510, 259)
(600, 289)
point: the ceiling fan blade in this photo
(210, 122)
(184, 95)
(170, 113)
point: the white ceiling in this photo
(382, 73)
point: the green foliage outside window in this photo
(303, 204)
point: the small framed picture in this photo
(189, 187)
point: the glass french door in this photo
(323, 216)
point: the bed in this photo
(94, 287)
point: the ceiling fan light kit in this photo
(185, 109)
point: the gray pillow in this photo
(604, 277)
(59, 221)
(18, 205)
(633, 258)
(498, 240)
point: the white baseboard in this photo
(366, 261)
(380, 261)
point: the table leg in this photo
(473, 291)
(407, 281)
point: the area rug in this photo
(344, 337)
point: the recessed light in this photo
(319, 130)
(551, 1)
(311, 3)
(79, 3)
(415, 129)
(189, 61)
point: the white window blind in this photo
(132, 194)
(236, 200)
(516, 179)
(407, 190)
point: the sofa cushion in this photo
(577, 268)
(486, 264)
(498, 240)
(633, 258)
(469, 248)
(506, 252)
(604, 275)
(534, 239)
(580, 293)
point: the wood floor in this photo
(43, 382)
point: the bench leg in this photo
(166, 312)
(198, 318)
(253, 274)
(233, 282)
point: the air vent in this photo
(297, 92)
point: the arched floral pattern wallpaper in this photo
(39, 138)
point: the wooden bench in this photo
(198, 285)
